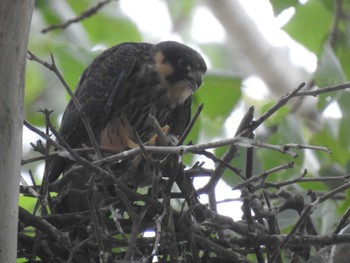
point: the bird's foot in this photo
(131, 144)
(161, 137)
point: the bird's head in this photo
(179, 68)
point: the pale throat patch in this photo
(177, 92)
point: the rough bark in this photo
(15, 17)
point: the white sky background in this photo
(153, 20)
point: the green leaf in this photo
(239, 162)
(102, 27)
(340, 38)
(344, 131)
(327, 139)
(218, 56)
(289, 130)
(80, 6)
(219, 95)
(27, 203)
(48, 12)
(344, 127)
(111, 31)
(34, 88)
(346, 203)
(329, 70)
(310, 25)
(281, 5)
(71, 61)
(277, 117)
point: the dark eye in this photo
(183, 64)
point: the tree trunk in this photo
(15, 17)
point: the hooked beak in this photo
(195, 79)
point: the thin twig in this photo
(298, 240)
(317, 92)
(218, 160)
(67, 147)
(229, 255)
(245, 133)
(190, 125)
(263, 175)
(279, 104)
(343, 221)
(30, 189)
(158, 232)
(77, 104)
(160, 132)
(306, 180)
(89, 12)
(43, 135)
(96, 222)
(186, 149)
(303, 216)
(304, 146)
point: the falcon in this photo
(121, 88)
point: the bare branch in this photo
(92, 10)
(263, 175)
(317, 92)
(77, 104)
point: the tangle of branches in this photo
(95, 212)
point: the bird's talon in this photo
(131, 144)
(166, 130)
(155, 138)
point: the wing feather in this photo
(99, 92)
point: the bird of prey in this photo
(122, 87)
